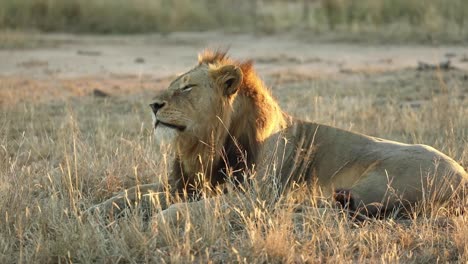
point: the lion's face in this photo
(194, 101)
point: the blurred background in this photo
(428, 21)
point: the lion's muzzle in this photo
(156, 106)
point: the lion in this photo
(225, 126)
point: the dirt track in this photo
(78, 65)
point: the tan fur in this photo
(228, 123)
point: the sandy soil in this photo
(81, 65)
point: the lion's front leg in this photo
(178, 213)
(145, 197)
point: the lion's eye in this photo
(187, 87)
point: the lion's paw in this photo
(172, 216)
(122, 204)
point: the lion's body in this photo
(375, 173)
(226, 123)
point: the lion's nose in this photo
(157, 105)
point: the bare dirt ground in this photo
(69, 65)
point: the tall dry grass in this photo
(120, 16)
(59, 158)
(413, 19)
(359, 20)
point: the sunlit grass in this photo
(58, 158)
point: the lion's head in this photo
(197, 101)
(215, 115)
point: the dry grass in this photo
(119, 16)
(401, 20)
(57, 158)
(385, 21)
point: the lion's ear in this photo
(228, 78)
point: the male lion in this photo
(224, 125)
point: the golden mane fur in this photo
(250, 117)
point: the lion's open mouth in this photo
(180, 128)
